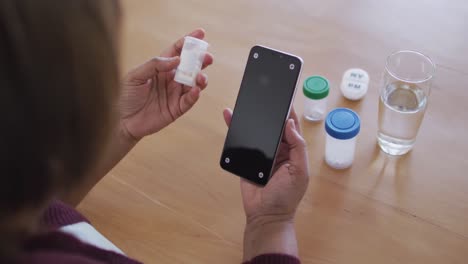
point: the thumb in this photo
(296, 143)
(157, 64)
(227, 114)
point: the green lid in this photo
(316, 87)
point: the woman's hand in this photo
(270, 210)
(284, 191)
(151, 99)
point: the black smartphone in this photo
(262, 108)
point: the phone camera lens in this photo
(292, 66)
(255, 55)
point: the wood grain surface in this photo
(169, 202)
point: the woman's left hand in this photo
(151, 99)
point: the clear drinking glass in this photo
(403, 100)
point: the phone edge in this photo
(290, 105)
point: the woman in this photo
(67, 121)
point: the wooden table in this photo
(169, 202)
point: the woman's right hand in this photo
(270, 210)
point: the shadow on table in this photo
(385, 165)
(338, 203)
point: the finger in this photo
(282, 170)
(189, 99)
(186, 89)
(176, 48)
(296, 143)
(171, 75)
(294, 117)
(208, 60)
(158, 64)
(202, 80)
(227, 113)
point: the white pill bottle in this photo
(342, 126)
(191, 61)
(316, 90)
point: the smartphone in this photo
(262, 108)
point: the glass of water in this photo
(403, 100)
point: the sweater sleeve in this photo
(274, 259)
(59, 214)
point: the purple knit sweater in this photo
(58, 247)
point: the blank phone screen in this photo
(262, 107)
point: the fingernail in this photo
(168, 58)
(212, 58)
(292, 124)
(205, 77)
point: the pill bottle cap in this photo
(342, 123)
(200, 44)
(316, 87)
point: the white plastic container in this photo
(316, 90)
(342, 126)
(355, 84)
(191, 61)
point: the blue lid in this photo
(342, 123)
